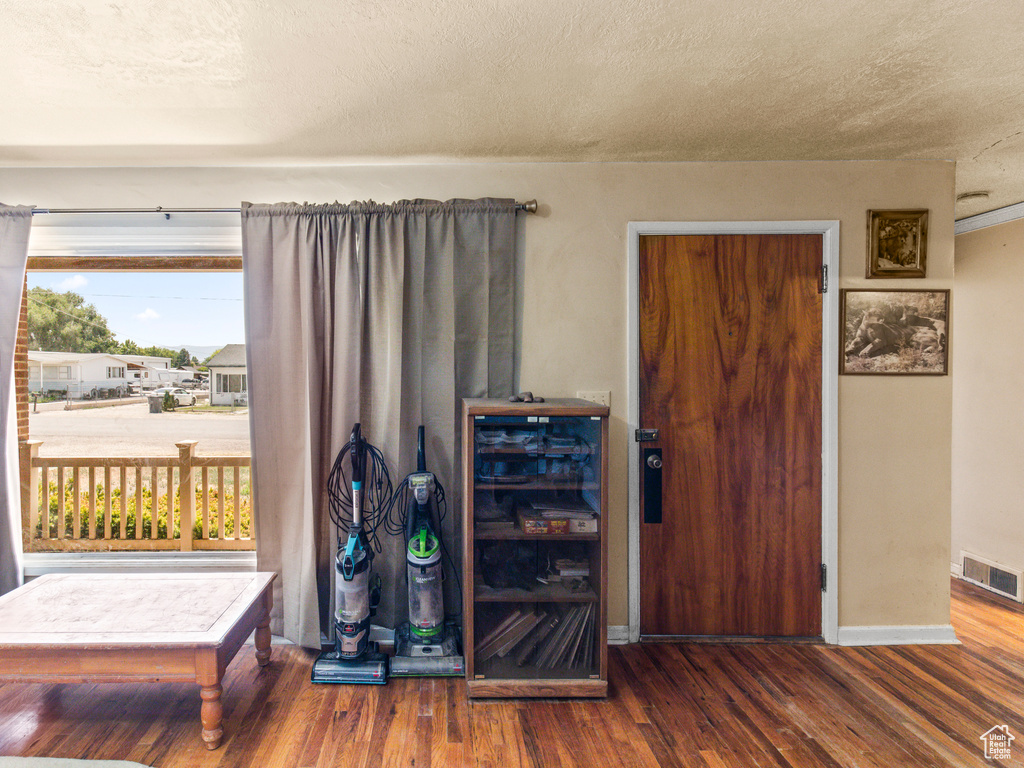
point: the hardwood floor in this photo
(670, 705)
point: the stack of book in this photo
(564, 568)
(571, 511)
(545, 637)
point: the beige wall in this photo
(894, 451)
(988, 396)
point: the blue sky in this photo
(160, 308)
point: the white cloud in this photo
(72, 283)
(148, 315)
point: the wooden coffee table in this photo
(147, 628)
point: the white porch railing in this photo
(181, 503)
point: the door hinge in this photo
(824, 577)
(823, 286)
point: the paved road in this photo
(131, 430)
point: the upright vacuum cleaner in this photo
(355, 659)
(428, 645)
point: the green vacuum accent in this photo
(425, 634)
(423, 563)
(423, 544)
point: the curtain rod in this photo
(530, 206)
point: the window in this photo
(231, 382)
(124, 494)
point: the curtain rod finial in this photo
(530, 206)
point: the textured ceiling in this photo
(224, 82)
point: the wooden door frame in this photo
(829, 231)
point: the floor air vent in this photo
(997, 578)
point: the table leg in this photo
(263, 629)
(211, 713)
(208, 671)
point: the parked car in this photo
(102, 393)
(181, 396)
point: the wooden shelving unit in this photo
(528, 630)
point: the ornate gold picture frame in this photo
(897, 243)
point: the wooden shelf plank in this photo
(554, 407)
(544, 593)
(516, 534)
(540, 688)
(538, 485)
(531, 453)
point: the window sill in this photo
(40, 563)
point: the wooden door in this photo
(730, 376)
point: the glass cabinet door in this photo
(536, 521)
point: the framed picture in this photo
(895, 332)
(897, 243)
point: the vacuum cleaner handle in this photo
(412, 518)
(356, 445)
(421, 453)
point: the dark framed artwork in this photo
(895, 332)
(897, 243)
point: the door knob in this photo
(654, 461)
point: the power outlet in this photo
(601, 398)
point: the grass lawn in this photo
(201, 408)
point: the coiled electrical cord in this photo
(397, 511)
(377, 493)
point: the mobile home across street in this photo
(81, 376)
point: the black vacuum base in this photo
(369, 669)
(441, 658)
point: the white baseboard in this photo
(956, 570)
(382, 635)
(618, 635)
(921, 634)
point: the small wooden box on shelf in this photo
(534, 548)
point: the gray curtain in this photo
(385, 315)
(15, 223)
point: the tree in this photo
(63, 322)
(205, 365)
(130, 347)
(159, 352)
(181, 359)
